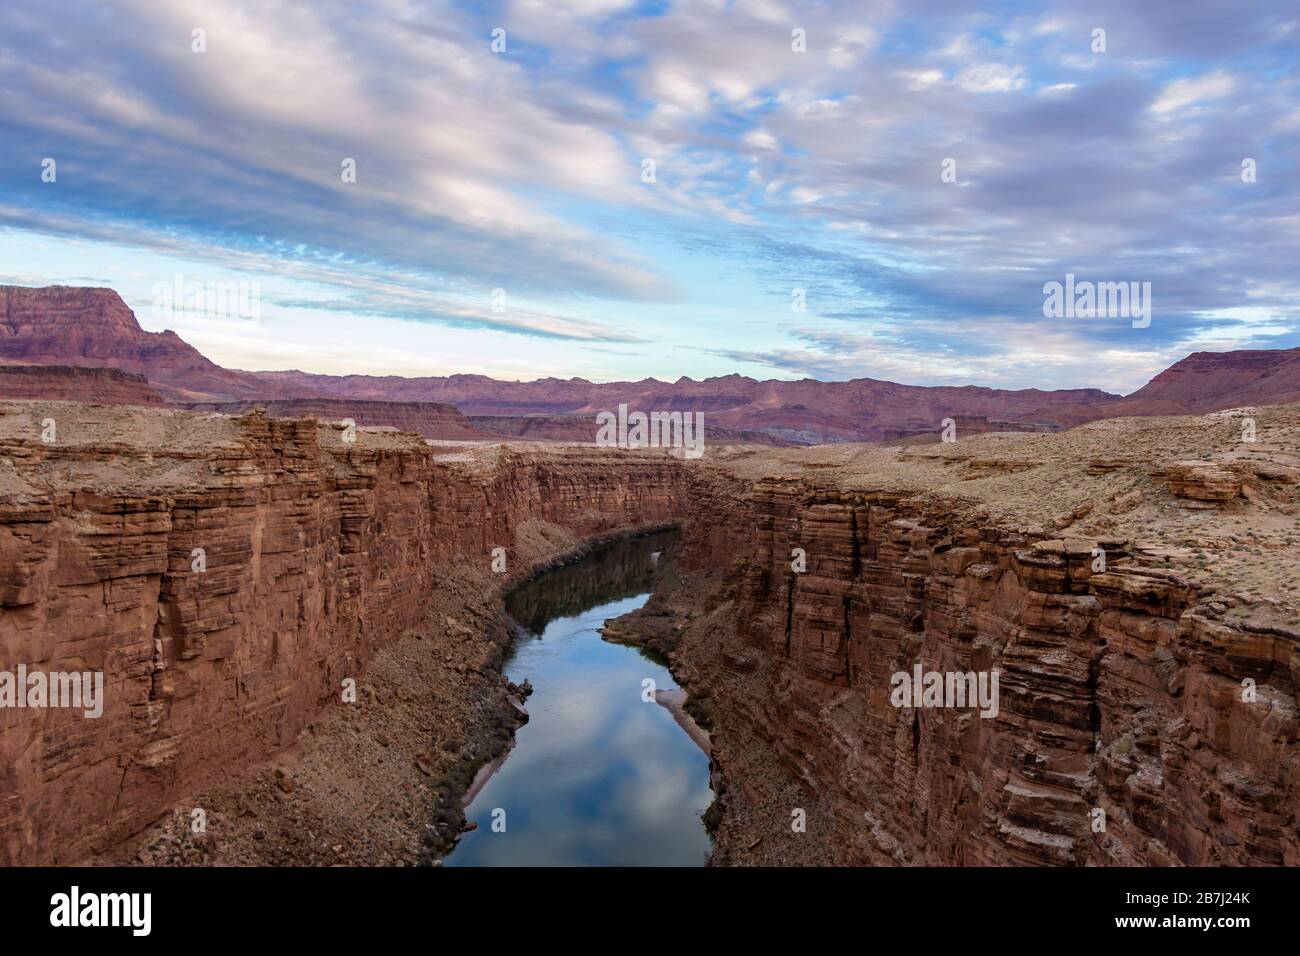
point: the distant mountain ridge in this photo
(1200, 383)
(1211, 381)
(63, 325)
(90, 327)
(805, 411)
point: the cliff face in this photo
(501, 496)
(202, 670)
(66, 325)
(584, 428)
(68, 383)
(1121, 691)
(429, 419)
(1208, 381)
(318, 552)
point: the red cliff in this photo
(429, 419)
(68, 383)
(64, 325)
(316, 554)
(1148, 705)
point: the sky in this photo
(614, 189)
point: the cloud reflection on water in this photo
(597, 776)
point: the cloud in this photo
(991, 78)
(775, 168)
(1180, 94)
(250, 137)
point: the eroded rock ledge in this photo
(318, 554)
(1121, 689)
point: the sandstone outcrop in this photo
(429, 419)
(226, 575)
(65, 325)
(1203, 481)
(70, 383)
(1149, 666)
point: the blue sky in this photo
(775, 170)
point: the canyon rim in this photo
(468, 460)
(1142, 668)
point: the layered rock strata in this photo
(229, 575)
(70, 383)
(1148, 709)
(435, 420)
(69, 325)
(1147, 705)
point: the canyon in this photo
(301, 629)
(1148, 700)
(229, 574)
(1159, 688)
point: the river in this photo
(598, 776)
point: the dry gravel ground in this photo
(1108, 480)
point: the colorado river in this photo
(598, 776)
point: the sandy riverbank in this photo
(674, 701)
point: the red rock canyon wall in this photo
(1119, 690)
(317, 553)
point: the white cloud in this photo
(921, 79)
(1180, 94)
(991, 78)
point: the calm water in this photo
(597, 777)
